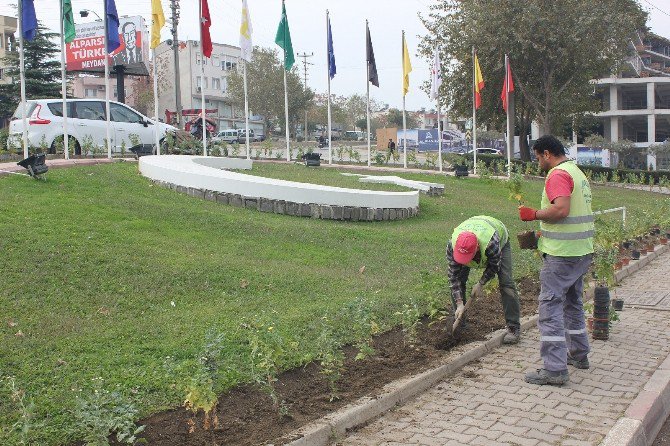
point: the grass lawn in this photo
(106, 276)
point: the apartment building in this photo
(636, 102)
(93, 87)
(225, 60)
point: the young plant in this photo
(331, 357)
(515, 186)
(436, 311)
(102, 413)
(26, 426)
(362, 325)
(236, 149)
(266, 350)
(410, 317)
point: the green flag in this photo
(283, 39)
(68, 22)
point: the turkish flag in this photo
(205, 23)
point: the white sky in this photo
(307, 20)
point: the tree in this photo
(42, 72)
(394, 119)
(265, 80)
(555, 49)
(318, 112)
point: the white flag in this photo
(436, 80)
(245, 33)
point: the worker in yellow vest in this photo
(566, 244)
(483, 242)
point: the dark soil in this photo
(246, 415)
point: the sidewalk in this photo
(488, 403)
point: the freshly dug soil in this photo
(247, 417)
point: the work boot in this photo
(512, 336)
(542, 377)
(578, 364)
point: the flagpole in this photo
(107, 110)
(158, 143)
(510, 132)
(330, 136)
(202, 86)
(63, 80)
(288, 150)
(246, 110)
(367, 104)
(474, 110)
(439, 136)
(22, 76)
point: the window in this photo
(2, 73)
(205, 84)
(119, 113)
(197, 59)
(198, 81)
(89, 110)
(216, 83)
(216, 61)
(90, 93)
(224, 84)
(57, 108)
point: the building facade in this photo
(92, 87)
(636, 103)
(8, 26)
(225, 60)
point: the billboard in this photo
(87, 51)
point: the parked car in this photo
(230, 136)
(352, 135)
(486, 151)
(86, 122)
(242, 135)
(260, 137)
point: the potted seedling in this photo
(588, 314)
(527, 239)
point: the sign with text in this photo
(87, 51)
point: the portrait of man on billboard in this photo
(130, 53)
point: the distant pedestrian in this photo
(391, 148)
(566, 244)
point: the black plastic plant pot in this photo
(617, 304)
(635, 254)
(601, 294)
(601, 336)
(626, 245)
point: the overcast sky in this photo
(307, 20)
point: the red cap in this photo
(466, 247)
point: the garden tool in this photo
(476, 291)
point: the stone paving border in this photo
(644, 417)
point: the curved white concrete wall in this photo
(206, 173)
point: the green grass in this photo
(93, 258)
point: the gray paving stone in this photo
(498, 407)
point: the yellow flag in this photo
(158, 20)
(406, 66)
(479, 83)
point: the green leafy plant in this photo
(236, 148)
(27, 424)
(436, 311)
(101, 413)
(431, 160)
(266, 350)
(330, 356)
(379, 158)
(410, 318)
(361, 322)
(515, 185)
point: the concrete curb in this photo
(646, 414)
(635, 265)
(322, 431)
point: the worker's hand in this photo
(477, 290)
(460, 309)
(527, 214)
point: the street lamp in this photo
(84, 13)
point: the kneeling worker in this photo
(483, 242)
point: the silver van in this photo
(229, 136)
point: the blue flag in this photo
(112, 18)
(28, 19)
(332, 69)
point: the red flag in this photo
(205, 23)
(508, 86)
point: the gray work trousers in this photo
(561, 320)
(509, 296)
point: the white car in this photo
(86, 125)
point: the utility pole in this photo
(304, 65)
(174, 6)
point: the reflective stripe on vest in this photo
(571, 236)
(483, 227)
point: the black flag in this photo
(370, 54)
